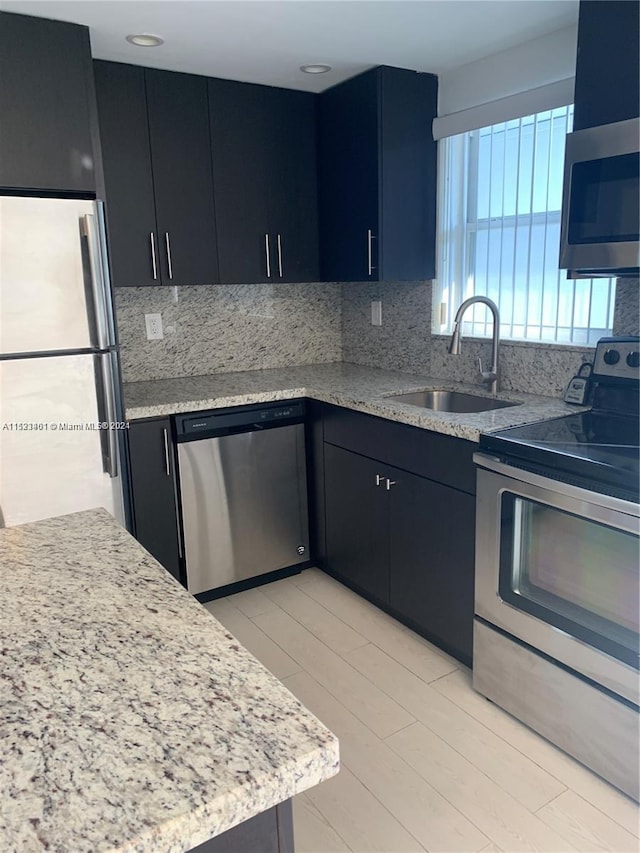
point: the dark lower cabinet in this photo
(268, 832)
(431, 542)
(154, 491)
(357, 522)
(403, 540)
(46, 106)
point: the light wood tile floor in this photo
(427, 763)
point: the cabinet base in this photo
(268, 832)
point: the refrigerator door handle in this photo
(107, 413)
(102, 323)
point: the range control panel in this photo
(618, 358)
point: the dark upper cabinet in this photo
(182, 177)
(293, 186)
(154, 132)
(608, 66)
(126, 159)
(264, 165)
(46, 110)
(377, 177)
(153, 486)
(238, 123)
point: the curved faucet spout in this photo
(492, 377)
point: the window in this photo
(500, 200)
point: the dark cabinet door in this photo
(608, 64)
(357, 521)
(183, 184)
(238, 117)
(378, 177)
(126, 157)
(292, 185)
(45, 108)
(154, 495)
(348, 179)
(432, 555)
(408, 175)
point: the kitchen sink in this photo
(451, 401)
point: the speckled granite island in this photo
(362, 389)
(130, 719)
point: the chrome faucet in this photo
(492, 377)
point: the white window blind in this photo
(500, 200)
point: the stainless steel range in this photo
(557, 572)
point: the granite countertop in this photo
(363, 389)
(130, 719)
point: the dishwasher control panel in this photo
(203, 424)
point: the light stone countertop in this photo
(130, 719)
(362, 389)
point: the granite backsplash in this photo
(247, 327)
(228, 328)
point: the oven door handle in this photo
(492, 463)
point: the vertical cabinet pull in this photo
(154, 262)
(390, 483)
(279, 255)
(370, 239)
(379, 479)
(167, 459)
(168, 245)
(267, 255)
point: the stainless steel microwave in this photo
(601, 200)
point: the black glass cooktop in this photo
(597, 450)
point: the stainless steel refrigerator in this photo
(61, 449)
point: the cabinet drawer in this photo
(442, 458)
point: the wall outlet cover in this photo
(153, 325)
(376, 312)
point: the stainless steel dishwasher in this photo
(243, 492)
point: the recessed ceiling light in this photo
(315, 68)
(145, 40)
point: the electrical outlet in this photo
(153, 324)
(376, 312)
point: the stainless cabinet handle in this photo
(370, 239)
(390, 483)
(268, 256)
(168, 245)
(167, 461)
(379, 479)
(280, 256)
(154, 262)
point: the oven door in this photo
(557, 567)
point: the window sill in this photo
(519, 343)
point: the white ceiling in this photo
(264, 41)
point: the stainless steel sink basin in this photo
(451, 401)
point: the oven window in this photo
(604, 200)
(574, 573)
